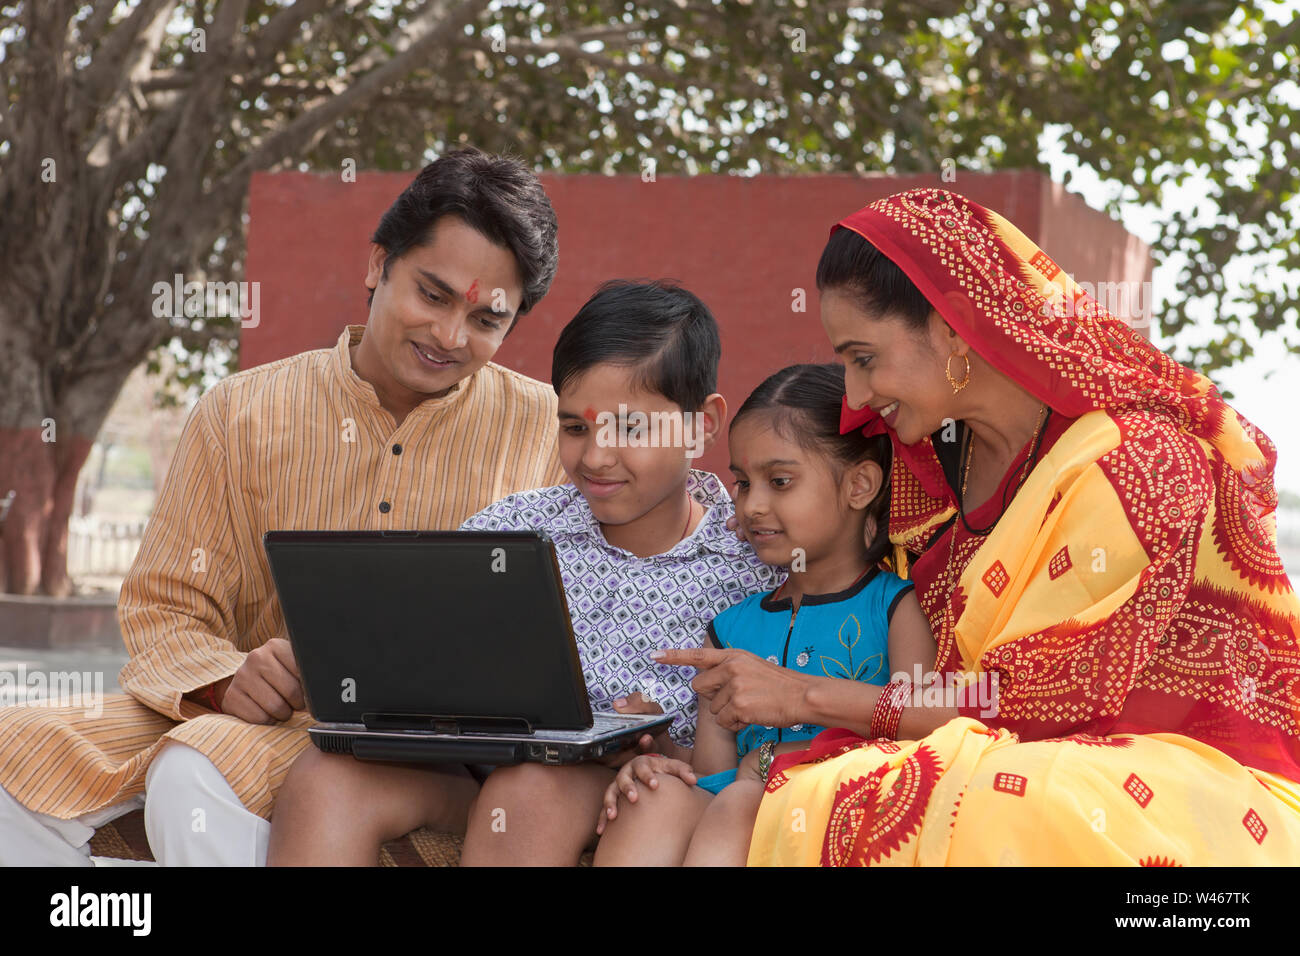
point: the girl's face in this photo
(629, 479)
(892, 368)
(788, 497)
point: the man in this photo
(406, 423)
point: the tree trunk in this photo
(26, 468)
(46, 434)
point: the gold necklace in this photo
(950, 620)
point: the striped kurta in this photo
(298, 444)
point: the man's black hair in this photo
(498, 196)
(656, 327)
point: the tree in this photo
(131, 129)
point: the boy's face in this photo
(441, 312)
(627, 484)
(787, 497)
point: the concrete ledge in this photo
(39, 621)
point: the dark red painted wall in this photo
(741, 244)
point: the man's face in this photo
(441, 312)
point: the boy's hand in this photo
(634, 703)
(642, 768)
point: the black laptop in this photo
(440, 646)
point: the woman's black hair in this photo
(803, 404)
(853, 265)
(497, 196)
(663, 331)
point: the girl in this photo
(812, 499)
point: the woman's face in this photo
(891, 367)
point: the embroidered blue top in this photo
(845, 634)
(623, 606)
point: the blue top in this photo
(845, 634)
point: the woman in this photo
(1088, 524)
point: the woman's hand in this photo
(642, 768)
(742, 688)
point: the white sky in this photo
(1265, 387)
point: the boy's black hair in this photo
(656, 327)
(803, 405)
(498, 196)
(852, 265)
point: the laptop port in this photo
(552, 754)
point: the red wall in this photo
(741, 244)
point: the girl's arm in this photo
(912, 649)
(715, 745)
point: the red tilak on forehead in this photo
(589, 413)
(471, 294)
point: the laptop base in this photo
(557, 748)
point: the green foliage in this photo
(1146, 93)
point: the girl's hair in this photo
(852, 265)
(802, 404)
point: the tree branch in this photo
(301, 128)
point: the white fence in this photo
(102, 548)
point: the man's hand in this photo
(267, 688)
(742, 688)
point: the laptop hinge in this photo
(444, 724)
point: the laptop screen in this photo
(467, 624)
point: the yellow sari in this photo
(1130, 601)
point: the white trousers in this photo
(192, 818)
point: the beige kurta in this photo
(297, 444)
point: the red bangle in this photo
(889, 709)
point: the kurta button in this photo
(384, 507)
(397, 449)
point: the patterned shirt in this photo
(623, 606)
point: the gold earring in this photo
(956, 385)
